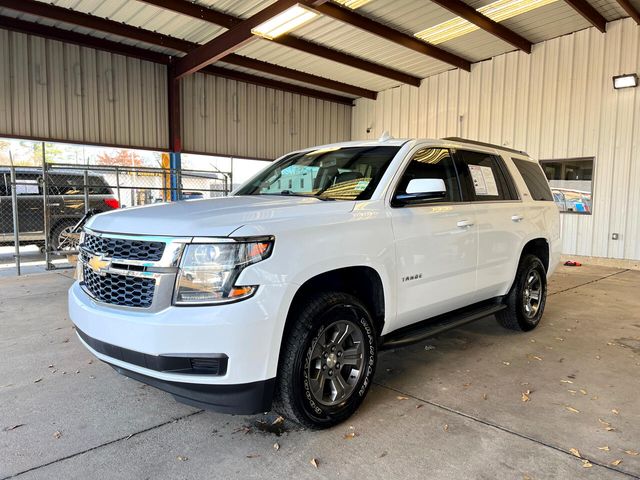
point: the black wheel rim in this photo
(532, 293)
(336, 363)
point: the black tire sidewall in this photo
(530, 263)
(322, 415)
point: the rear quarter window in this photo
(534, 179)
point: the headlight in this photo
(208, 271)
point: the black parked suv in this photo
(66, 204)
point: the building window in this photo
(571, 183)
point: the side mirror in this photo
(422, 190)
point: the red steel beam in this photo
(585, 9)
(350, 17)
(471, 15)
(630, 9)
(230, 41)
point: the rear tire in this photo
(60, 239)
(527, 298)
(327, 361)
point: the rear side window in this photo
(535, 179)
(485, 177)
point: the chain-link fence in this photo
(40, 207)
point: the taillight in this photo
(111, 203)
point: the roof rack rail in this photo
(484, 144)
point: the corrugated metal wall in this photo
(233, 118)
(558, 102)
(54, 90)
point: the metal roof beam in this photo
(230, 41)
(228, 21)
(630, 9)
(72, 17)
(585, 9)
(470, 14)
(350, 17)
(276, 84)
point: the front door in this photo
(436, 243)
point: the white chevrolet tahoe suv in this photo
(281, 295)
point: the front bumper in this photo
(245, 399)
(247, 333)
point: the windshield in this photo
(338, 173)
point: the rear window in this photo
(535, 180)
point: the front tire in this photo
(527, 298)
(327, 362)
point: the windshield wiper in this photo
(289, 193)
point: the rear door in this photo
(30, 203)
(488, 185)
(436, 242)
(6, 212)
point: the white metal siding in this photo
(54, 90)
(227, 117)
(558, 102)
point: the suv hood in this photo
(216, 217)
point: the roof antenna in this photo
(385, 136)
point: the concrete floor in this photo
(454, 409)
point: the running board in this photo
(437, 325)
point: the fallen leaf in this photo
(586, 464)
(603, 422)
(560, 339)
(253, 455)
(615, 412)
(12, 427)
(50, 365)
(633, 453)
(446, 428)
(575, 452)
(77, 371)
(484, 396)
(616, 462)
(506, 363)
(525, 396)
(420, 405)
(399, 397)
(314, 462)
(90, 362)
(429, 347)
(571, 409)
(604, 449)
(37, 380)
(610, 429)
(566, 381)
(350, 435)
(276, 446)
(598, 357)
(582, 391)
(383, 454)
(278, 421)
(57, 434)
(182, 458)
(572, 392)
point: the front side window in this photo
(571, 183)
(340, 173)
(432, 164)
(485, 177)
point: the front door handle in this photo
(465, 223)
(517, 218)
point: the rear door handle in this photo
(465, 223)
(517, 218)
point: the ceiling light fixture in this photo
(625, 81)
(353, 4)
(284, 22)
(497, 11)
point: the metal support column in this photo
(14, 209)
(175, 140)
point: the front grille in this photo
(121, 248)
(120, 290)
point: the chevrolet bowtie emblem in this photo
(98, 264)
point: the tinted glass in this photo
(432, 163)
(534, 178)
(485, 177)
(66, 184)
(342, 173)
